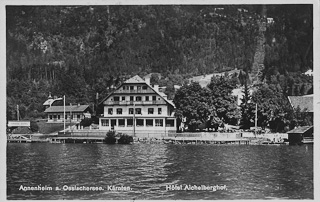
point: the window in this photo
(54, 116)
(110, 111)
(138, 110)
(159, 122)
(78, 117)
(105, 122)
(159, 110)
(58, 116)
(144, 87)
(150, 110)
(121, 122)
(123, 98)
(138, 98)
(138, 87)
(169, 123)
(139, 122)
(50, 116)
(66, 117)
(129, 122)
(147, 98)
(131, 98)
(154, 98)
(131, 87)
(149, 122)
(113, 122)
(119, 111)
(116, 98)
(130, 110)
(123, 87)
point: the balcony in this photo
(135, 91)
(154, 102)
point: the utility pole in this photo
(134, 119)
(64, 114)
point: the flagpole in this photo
(256, 119)
(64, 114)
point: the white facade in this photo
(135, 107)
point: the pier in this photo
(98, 136)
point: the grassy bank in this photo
(47, 128)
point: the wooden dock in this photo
(198, 140)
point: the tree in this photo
(300, 117)
(273, 107)
(247, 109)
(154, 79)
(221, 98)
(193, 102)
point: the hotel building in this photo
(135, 107)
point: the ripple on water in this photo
(249, 172)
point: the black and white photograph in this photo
(181, 100)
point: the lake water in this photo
(240, 171)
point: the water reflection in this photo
(249, 172)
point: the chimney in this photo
(156, 87)
(50, 97)
(147, 79)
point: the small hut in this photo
(301, 135)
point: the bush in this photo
(86, 122)
(110, 138)
(34, 126)
(125, 139)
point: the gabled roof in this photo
(138, 79)
(301, 130)
(135, 79)
(74, 108)
(304, 102)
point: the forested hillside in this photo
(79, 51)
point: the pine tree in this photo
(247, 109)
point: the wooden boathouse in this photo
(301, 135)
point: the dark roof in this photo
(304, 102)
(301, 129)
(74, 108)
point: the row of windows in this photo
(137, 111)
(138, 98)
(139, 122)
(135, 87)
(59, 117)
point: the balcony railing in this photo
(134, 91)
(154, 102)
